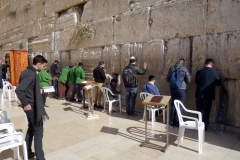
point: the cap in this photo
(133, 57)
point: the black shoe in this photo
(177, 125)
(31, 155)
(99, 106)
(173, 124)
(80, 101)
(72, 99)
(46, 106)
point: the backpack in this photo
(175, 80)
(128, 78)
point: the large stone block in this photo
(90, 58)
(132, 27)
(40, 44)
(63, 39)
(231, 110)
(47, 24)
(95, 9)
(13, 35)
(128, 50)
(177, 48)
(222, 16)
(68, 19)
(139, 4)
(233, 56)
(103, 34)
(153, 56)
(223, 48)
(174, 20)
(111, 55)
(57, 5)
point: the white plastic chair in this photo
(7, 126)
(8, 88)
(3, 117)
(152, 109)
(196, 124)
(13, 140)
(1, 96)
(106, 99)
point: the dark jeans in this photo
(44, 98)
(204, 106)
(79, 93)
(179, 94)
(55, 86)
(131, 94)
(34, 130)
(73, 91)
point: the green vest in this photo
(80, 75)
(44, 78)
(72, 78)
(64, 75)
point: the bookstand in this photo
(91, 114)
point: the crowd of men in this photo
(35, 77)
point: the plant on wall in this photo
(43, 2)
(1, 46)
(82, 30)
(12, 14)
(85, 30)
(27, 8)
(131, 1)
(20, 45)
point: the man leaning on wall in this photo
(206, 80)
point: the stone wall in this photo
(190, 29)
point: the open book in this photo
(87, 87)
(156, 99)
(48, 89)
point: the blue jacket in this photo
(150, 88)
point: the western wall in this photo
(158, 32)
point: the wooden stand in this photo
(91, 113)
(165, 101)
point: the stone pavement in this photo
(69, 135)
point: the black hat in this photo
(151, 77)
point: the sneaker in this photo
(80, 101)
(46, 106)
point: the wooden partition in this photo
(18, 63)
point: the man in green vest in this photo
(72, 83)
(80, 77)
(63, 79)
(44, 79)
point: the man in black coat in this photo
(206, 80)
(29, 94)
(113, 87)
(55, 74)
(99, 78)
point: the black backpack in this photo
(128, 77)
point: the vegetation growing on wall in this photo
(20, 45)
(131, 1)
(1, 46)
(82, 30)
(43, 2)
(27, 8)
(12, 14)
